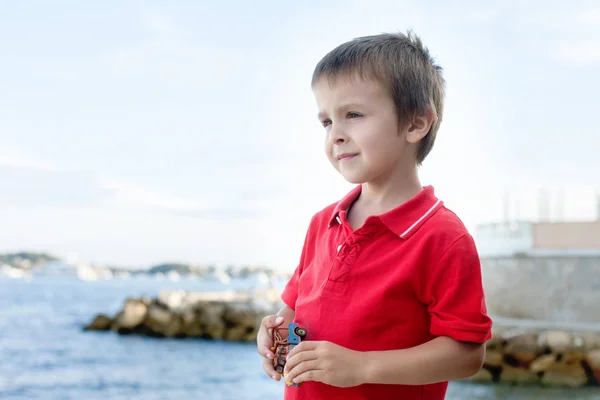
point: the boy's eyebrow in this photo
(345, 106)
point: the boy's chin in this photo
(353, 179)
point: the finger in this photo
(303, 346)
(300, 368)
(315, 375)
(268, 368)
(264, 339)
(299, 358)
(272, 321)
(266, 352)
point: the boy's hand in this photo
(265, 343)
(324, 362)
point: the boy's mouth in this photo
(346, 156)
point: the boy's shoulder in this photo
(448, 223)
(447, 230)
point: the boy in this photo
(389, 282)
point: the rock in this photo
(574, 357)
(543, 363)
(522, 343)
(146, 300)
(557, 370)
(591, 341)
(170, 299)
(162, 322)
(190, 323)
(521, 349)
(100, 323)
(239, 320)
(493, 358)
(593, 361)
(132, 316)
(211, 320)
(563, 374)
(517, 375)
(258, 317)
(495, 343)
(237, 333)
(238, 314)
(556, 341)
(520, 359)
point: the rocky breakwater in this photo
(545, 357)
(230, 316)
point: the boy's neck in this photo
(380, 197)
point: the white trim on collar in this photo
(410, 228)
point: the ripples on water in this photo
(45, 355)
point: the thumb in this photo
(273, 321)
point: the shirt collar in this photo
(403, 220)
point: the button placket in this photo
(345, 258)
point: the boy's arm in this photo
(439, 360)
(452, 289)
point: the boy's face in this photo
(364, 141)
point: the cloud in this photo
(12, 157)
(163, 56)
(128, 195)
(25, 183)
(23, 186)
(160, 23)
(591, 16)
(579, 37)
(137, 198)
(583, 52)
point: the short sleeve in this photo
(453, 292)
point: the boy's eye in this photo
(326, 122)
(353, 115)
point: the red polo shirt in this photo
(402, 279)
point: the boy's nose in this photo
(337, 135)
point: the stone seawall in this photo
(538, 356)
(230, 316)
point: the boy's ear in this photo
(419, 126)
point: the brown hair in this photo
(402, 63)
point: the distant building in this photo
(524, 238)
(546, 269)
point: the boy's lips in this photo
(346, 156)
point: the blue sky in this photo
(138, 132)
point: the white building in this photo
(527, 238)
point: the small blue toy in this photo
(282, 346)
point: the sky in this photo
(134, 133)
